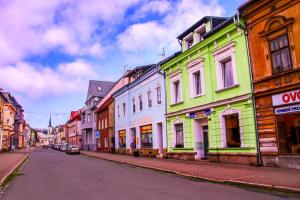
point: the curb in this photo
(274, 188)
(13, 170)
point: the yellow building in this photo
(9, 112)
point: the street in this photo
(50, 174)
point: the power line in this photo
(40, 113)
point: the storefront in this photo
(122, 138)
(146, 136)
(287, 112)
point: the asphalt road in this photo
(50, 174)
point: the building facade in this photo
(74, 135)
(140, 113)
(106, 117)
(2, 102)
(273, 28)
(96, 91)
(210, 112)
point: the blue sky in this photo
(50, 49)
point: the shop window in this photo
(146, 136)
(158, 95)
(122, 138)
(149, 99)
(179, 143)
(232, 130)
(280, 54)
(288, 128)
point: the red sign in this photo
(286, 98)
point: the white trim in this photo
(220, 55)
(230, 111)
(195, 66)
(173, 79)
(177, 121)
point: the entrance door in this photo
(205, 138)
(160, 138)
(133, 139)
(201, 138)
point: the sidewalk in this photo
(279, 179)
(10, 161)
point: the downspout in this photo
(259, 158)
(165, 88)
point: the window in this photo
(141, 102)
(146, 136)
(158, 95)
(133, 105)
(89, 117)
(122, 138)
(232, 130)
(200, 34)
(179, 135)
(149, 99)
(105, 123)
(227, 73)
(189, 42)
(176, 90)
(118, 110)
(124, 109)
(280, 54)
(197, 83)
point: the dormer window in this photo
(189, 41)
(200, 33)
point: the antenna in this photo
(162, 55)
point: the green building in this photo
(208, 88)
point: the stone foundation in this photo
(181, 155)
(231, 158)
(123, 151)
(286, 161)
(148, 152)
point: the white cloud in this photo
(151, 36)
(37, 81)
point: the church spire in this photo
(50, 122)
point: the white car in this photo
(73, 149)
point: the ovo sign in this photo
(286, 98)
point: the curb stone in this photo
(229, 182)
(14, 169)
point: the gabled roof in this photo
(98, 88)
(214, 22)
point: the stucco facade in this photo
(214, 115)
(140, 115)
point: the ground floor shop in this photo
(88, 140)
(6, 138)
(106, 140)
(279, 128)
(147, 139)
(223, 133)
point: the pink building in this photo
(74, 129)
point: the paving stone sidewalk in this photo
(10, 161)
(266, 177)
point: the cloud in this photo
(32, 27)
(150, 36)
(38, 81)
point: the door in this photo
(205, 139)
(160, 138)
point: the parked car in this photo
(46, 146)
(56, 146)
(73, 149)
(63, 147)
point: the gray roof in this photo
(98, 88)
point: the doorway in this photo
(159, 138)
(133, 139)
(201, 138)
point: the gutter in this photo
(259, 157)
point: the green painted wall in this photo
(204, 49)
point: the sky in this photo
(50, 49)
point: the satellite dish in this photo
(96, 99)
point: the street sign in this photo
(97, 134)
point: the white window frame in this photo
(140, 98)
(174, 78)
(221, 55)
(226, 112)
(156, 89)
(149, 99)
(199, 31)
(118, 111)
(186, 38)
(133, 105)
(179, 121)
(193, 67)
(124, 109)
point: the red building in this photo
(74, 129)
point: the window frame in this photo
(133, 105)
(124, 109)
(220, 55)
(140, 102)
(149, 97)
(228, 112)
(158, 95)
(175, 145)
(194, 67)
(176, 77)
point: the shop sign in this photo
(287, 109)
(286, 98)
(200, 114)
(97, 134)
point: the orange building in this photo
(273, 28)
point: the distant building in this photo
(96, 91)
(74, 134)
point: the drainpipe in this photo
(259, 157)
(165, 88)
